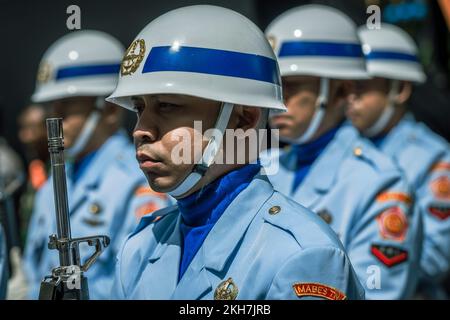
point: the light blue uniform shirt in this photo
(107, 199)
(425, 158)
(266, 245)
(364, 197)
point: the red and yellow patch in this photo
(394, 196)
(441, 187)
(441, 166)
(393, 224)
(312, 289)
(145, 209)
(37, 173)
(147, 191)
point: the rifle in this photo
(67, 281)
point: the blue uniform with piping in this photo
(266, 244)
(425, 158)
(365, 198)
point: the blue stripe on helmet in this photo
(87, 70)
(391, 55)
(212, 61)
(313, 48)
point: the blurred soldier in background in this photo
(107, 192)
(33, 136)
(329, 168)
(12, 177)
(379, 110)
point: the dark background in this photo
(27, 28)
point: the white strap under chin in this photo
(387, 114)
(319, 113)
(209, 153)
(87, 131)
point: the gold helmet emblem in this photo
(272, 40)
(133, 57)
(44, 72)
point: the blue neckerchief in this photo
(378, 140)
(80, 166)
(202, 209)
(307, 153)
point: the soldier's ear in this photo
(405, 92)
(247, 117)
(112, 114)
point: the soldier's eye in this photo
(167, 106)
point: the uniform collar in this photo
(216, 249)
(396, 137)
(323, 172)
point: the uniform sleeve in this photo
(385, 239)
(433, 200)
(143, 201)
(316, 273)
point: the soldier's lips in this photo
(148, 163)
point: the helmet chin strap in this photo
(319, 113)
(387, 114)
(209, 153)
(87, 131)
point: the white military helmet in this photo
(321, 41)
(81, 63)
(204, 51)
(391, 53)
(207, 52)
(317, 40)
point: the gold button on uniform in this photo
(358, 151)
(95, 208)
(274, 210)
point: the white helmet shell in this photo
(317, 40)
(203, 51)
(391, 53)
(81, 63)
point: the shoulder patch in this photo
(441, 166)
(313, 289)
(441, 187)
(394, 196)
(389, 255)
(145, 209)
(393, 224)
(145, 190)
(440, 212)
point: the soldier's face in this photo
(165, 132)
(300, 95)
(74, 112)
(367, 103)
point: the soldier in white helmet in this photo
(107, 194)
(379, 110)
(230, 235)
(328, 167)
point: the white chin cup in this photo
(319, 113)
(88, 129)
(208, 155)
(387, 113)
